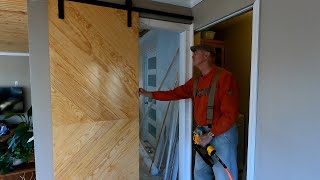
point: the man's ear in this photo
(207, 54)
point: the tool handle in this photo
(207, 159)
(210, 149)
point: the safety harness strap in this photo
(211, 95)
(195, 84)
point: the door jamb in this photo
(253, 104)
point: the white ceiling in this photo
(184, 3)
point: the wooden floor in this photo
(144, 172)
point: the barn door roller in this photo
(128, 6)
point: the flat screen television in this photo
(11, 100)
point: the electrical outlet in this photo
(16, 83)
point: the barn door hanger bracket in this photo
(61, 9)
(129, 6)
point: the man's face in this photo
(199, 57)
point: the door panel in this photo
(151, 85)
(94, 80)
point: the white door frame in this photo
(253, 80)
(185, 73)
(14, 54)
(253, 104)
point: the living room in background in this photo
(16, 137)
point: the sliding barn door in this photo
(94, 82)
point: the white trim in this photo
(241, 11)
(183, 3)
(13, 54)
(146, 23)
(185, 119)
(185, 106)
(253, 91)
(40, 88)
(194, 3)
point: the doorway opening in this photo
(232, 40)
(164, 64)
(159, 60)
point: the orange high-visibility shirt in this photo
(226, 103)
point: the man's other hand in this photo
(204, 140)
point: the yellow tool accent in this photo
(196, 138)
(211, 150)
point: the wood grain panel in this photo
(94, 79)
(98, 150)
(13, 26)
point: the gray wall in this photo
(208, 11)
(16, 68)
(40, 86)
(288, 97)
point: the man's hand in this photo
(204, 140)
(143, 92)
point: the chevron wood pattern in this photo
(94, 80)
(13, 26)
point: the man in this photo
(220, 131)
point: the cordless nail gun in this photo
(208, 152)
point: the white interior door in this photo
(150, 83)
